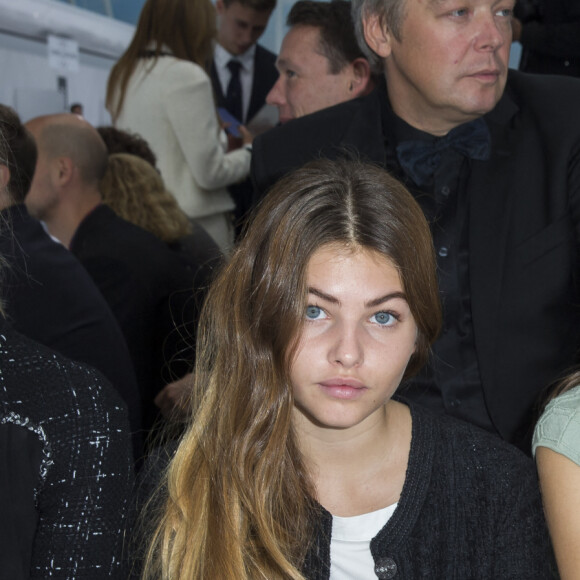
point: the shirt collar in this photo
(222, 57)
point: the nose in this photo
(276, 94)
(347, 349)
(492, 33)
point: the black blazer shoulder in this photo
(550, 98)
(353, 126)
(52, 299)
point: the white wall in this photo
(29, 84)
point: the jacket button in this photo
(385, 568)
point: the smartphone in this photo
(227, 117)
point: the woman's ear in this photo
(377, 35)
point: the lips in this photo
(343, 388)
(343, 382)
(488, 74)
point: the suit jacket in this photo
(524, 212)
(265, 75)
(149, 290)
(51, 299)
(66, 483)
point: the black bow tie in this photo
(420, 159)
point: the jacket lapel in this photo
(490, 197)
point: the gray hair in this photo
(390, 13)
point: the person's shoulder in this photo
(344, 129)
(174, 72)
(105, 235)
(559, 425)
(105, 227)
(320, 128)
(548, 91)
(40, 378)
(473, 446)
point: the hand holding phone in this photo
(231, 124)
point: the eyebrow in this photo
(284, 62)
(435, 4)
(369, 304)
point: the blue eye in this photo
(507, 13)
(384, 318)
(314, 312)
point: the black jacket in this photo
(524, 216)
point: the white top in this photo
(559, 426)
(221, 58)
(350, 548)
(169, 102)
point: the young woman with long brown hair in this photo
(298, 462)
(160, 89)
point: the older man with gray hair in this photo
(493, 158)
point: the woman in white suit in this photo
(159, 88)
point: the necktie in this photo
(234, 92)
(420, 159)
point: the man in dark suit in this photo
(241, 23)
(146, 285)
(47, 294)
(242, 73)
(494, 161)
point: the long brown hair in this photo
(239, 502)
(186, 27)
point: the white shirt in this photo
(221, 59)
(350, 544)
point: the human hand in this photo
(172, 399)
(247, 137)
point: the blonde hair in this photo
(134, 190)
(186, 27)
(237, 499)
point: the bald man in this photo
(147, 287)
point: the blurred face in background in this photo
(305, 84)
(240, 26)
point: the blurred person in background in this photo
(147, 287)
(66, 467)
(320, 62)
(160, 89)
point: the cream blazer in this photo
(169, 102)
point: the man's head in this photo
(72, 159)
(445, 64)
(242, 22)
(77, 109)
(20, 155)
(320, 62)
